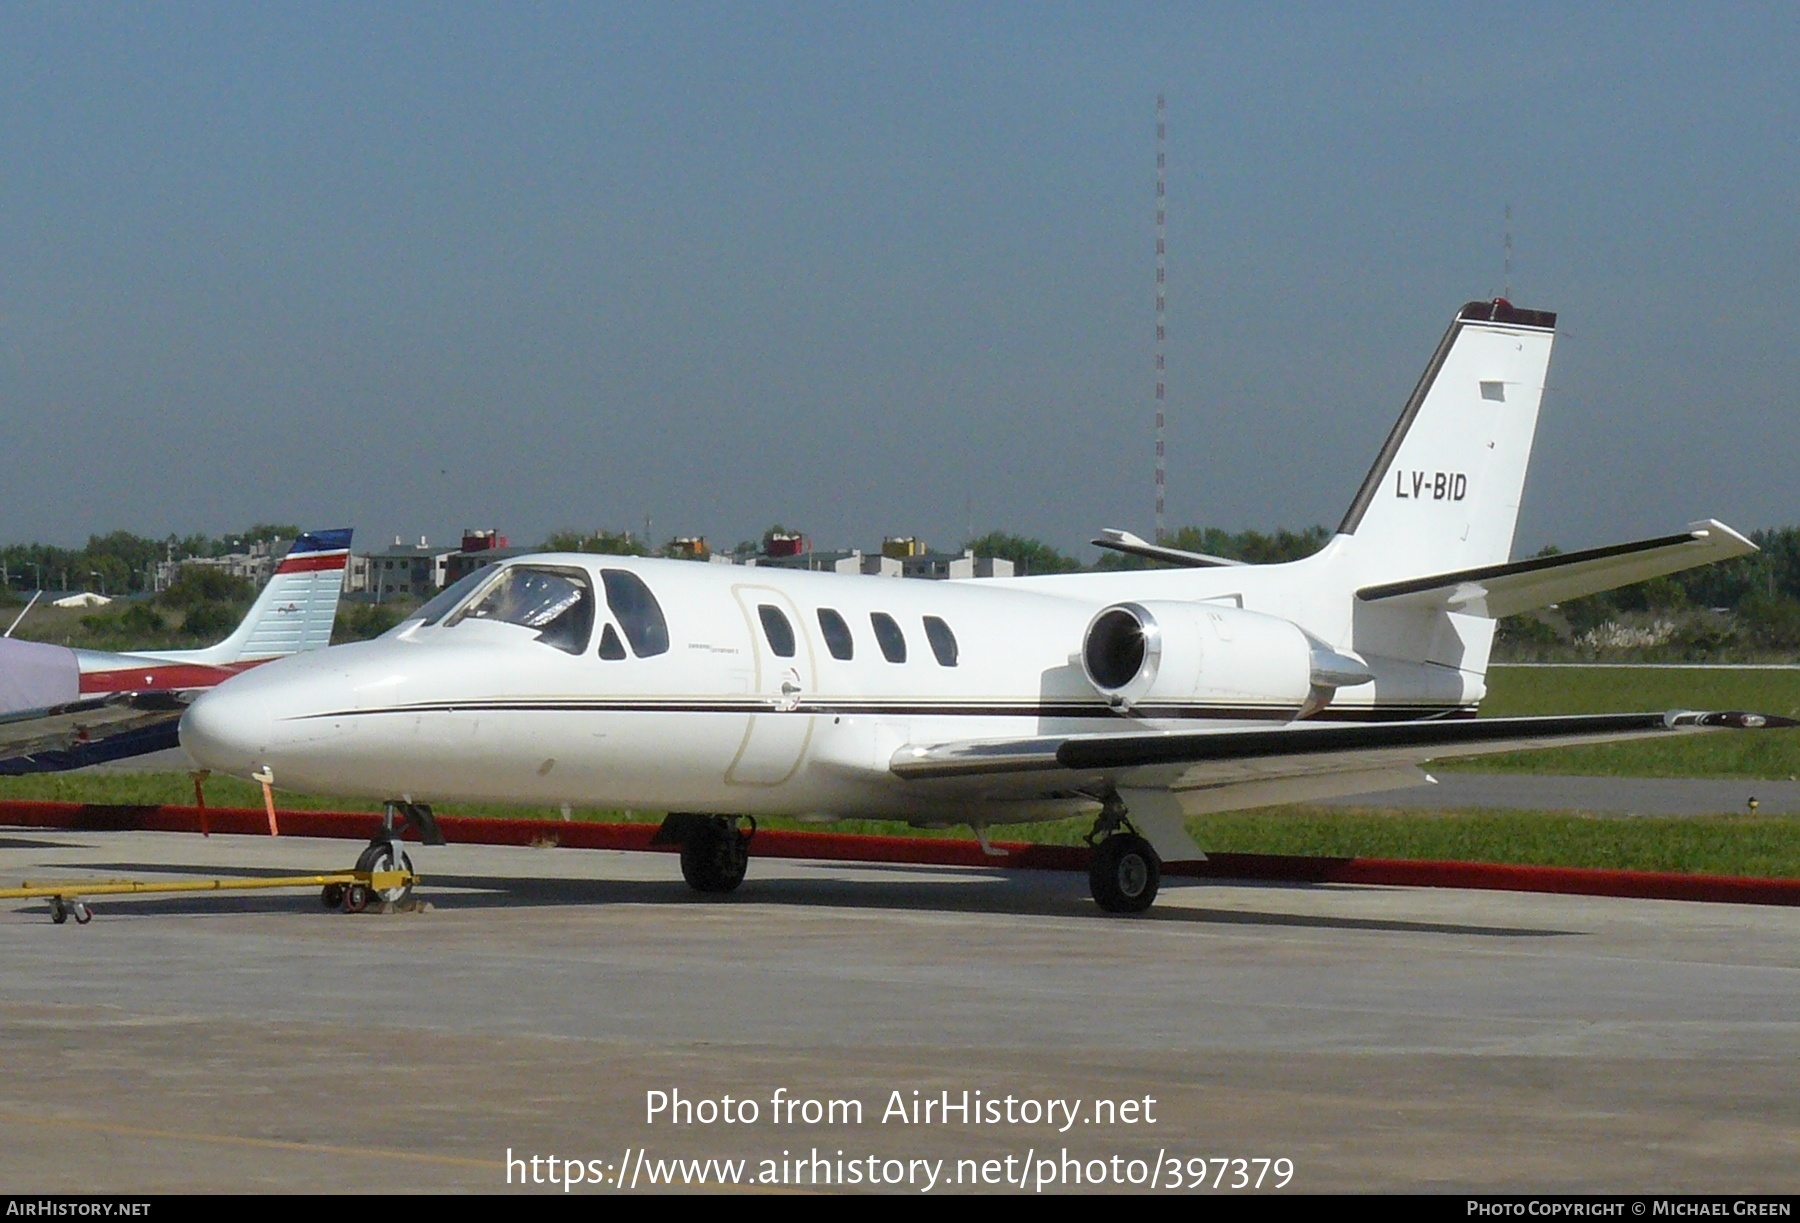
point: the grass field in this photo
(1767, 846)
(1733, 845)
(1520, 691)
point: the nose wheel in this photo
(385, 855)
(381, 856)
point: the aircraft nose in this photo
(227, 732)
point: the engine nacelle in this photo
(1160, 659)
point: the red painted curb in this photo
(928, 851)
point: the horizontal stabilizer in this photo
(1505, 590)
(1124, 541)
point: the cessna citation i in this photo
(722, 693)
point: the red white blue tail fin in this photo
(295, 611)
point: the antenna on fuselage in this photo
(21, 616)
(1506, 257)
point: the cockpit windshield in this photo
(558, 602)
(444, 600)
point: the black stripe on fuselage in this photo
(877, 708)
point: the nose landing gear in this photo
(387, 867)
(382, 855)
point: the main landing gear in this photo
(1124, 872)
(715, 852)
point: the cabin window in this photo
(837, 635)
(777, 629)
(559, 603)
(943, 641)
(611, 648)
(637, 611)
(888, 636)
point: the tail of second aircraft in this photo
(294, 612)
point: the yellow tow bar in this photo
(350, 890)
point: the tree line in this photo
(1746, 608)
(119, 563)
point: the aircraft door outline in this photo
(775, 741)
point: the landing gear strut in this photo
(715, 853)
(1124, 872)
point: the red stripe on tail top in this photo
(308, 562)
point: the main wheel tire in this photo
(715, 856)
(1124, 874)
(387, 856)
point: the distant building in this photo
(407, 571)
(356, 574)
(964, 564)
(968, 565)
(780, 545)
(256, 564)
(900, 556)
(479, 550)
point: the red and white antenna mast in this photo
(1161, 274)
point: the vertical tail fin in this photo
(1444, 492)
(294, 612)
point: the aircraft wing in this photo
(84, 732)
(1238, 769)
(1505, 590)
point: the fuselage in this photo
(745, 690)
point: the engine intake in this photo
(1169, 659)
(1119, 643)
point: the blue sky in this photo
(874, 269)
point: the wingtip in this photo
(1742, 719)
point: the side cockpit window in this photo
(637, 611)
(558, 603)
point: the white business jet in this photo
(721, 693)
